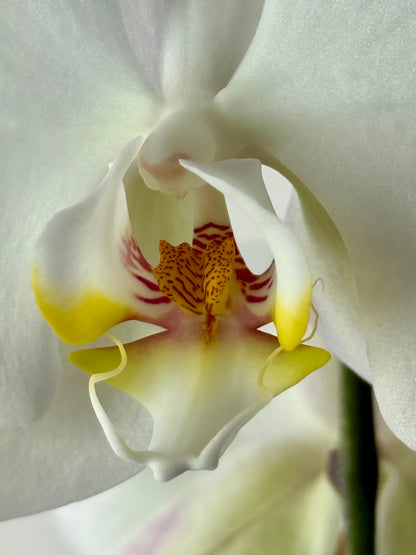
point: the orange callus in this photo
(196, 280)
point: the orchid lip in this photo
(167, 466)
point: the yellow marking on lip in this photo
(79, 320)
(288, 368)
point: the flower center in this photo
(197, 280)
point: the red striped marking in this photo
(149, 284)
(200, 244)
(210, 236)
(244, 274)
(252, 299)
(256, 286)
(210, 224)
(156, 300)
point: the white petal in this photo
(276, 500)
(71, 95)
(64, 456)
(30, 362)
(344, 124)
(242, 181)
(190, 49)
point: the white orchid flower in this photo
(213, 99)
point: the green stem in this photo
(359, 463)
